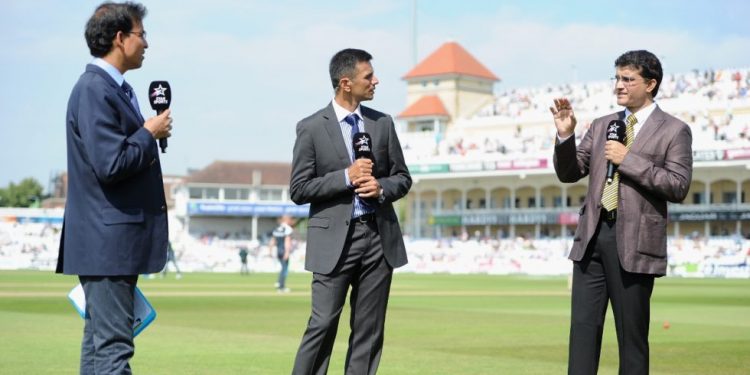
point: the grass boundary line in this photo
(432, 293)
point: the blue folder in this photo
(144, 312)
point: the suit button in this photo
(347, 222)
(163, 208)
(152, 161)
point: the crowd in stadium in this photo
(34, 246)
(722, 86)
(715, 126)
(715, 92)
(28, 245)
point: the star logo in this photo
(361, 142)
(159, 91)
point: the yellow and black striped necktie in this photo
(609, 195)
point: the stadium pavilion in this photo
(235, 200)
(482, 162)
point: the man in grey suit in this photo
(353, 234)
(115, 224)
(620, 244)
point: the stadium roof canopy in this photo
(450, 58)
(241, 173)
(426, 106)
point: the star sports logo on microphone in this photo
(612, 131)
(362, 144)
(159, 95)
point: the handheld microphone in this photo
(615, 132)
(160, 96)
(362, 148)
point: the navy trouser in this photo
(108, 331)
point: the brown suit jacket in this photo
(657, 169)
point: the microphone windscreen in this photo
(616, 131)
(362, 145)
(159, 95)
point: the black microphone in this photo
(362, 148)
(160, 96)
(615, 132)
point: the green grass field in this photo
(437, 324)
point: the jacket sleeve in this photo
(571, 162)
(398, 182)
(670, 181)
(305, 185)
(113, 154)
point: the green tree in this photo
(28, 193)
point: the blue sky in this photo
(244, 72)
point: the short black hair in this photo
(647, 64)
(344, 64)
(107, 20)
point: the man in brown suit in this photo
(620, 245)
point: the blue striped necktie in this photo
(353, 120)
(360, 206)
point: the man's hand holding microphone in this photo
(160, 125)
(360, 172)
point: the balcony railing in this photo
(672, 207)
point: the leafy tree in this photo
(28, 193)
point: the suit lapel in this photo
(648, 129)
(117, 88)
(121, 93)
(371, 127)
(135, 111)
(331, 124)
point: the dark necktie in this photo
(360, 206)
(131, 95)
(353, 120)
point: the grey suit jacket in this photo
(318, 167)
(656, 170)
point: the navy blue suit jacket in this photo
(115, 215)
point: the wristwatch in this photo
(381, 196)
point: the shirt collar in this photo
(643, 114)
(342, 112)
(111, 70)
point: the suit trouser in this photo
(597, 278)
(107, 344)
(363, 266)
(284, 272)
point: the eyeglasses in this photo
(140, 34)
(627, 81)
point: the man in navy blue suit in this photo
(115, 224)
